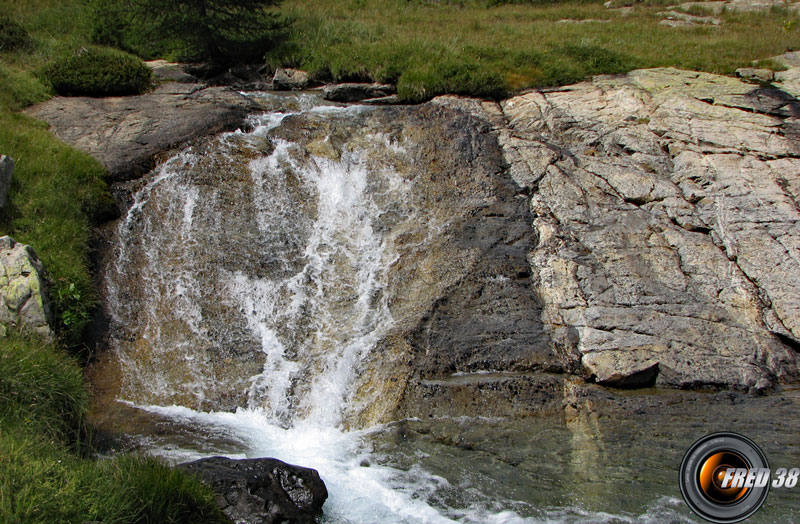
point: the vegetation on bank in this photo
(47, 473)
(494, 48)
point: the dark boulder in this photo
(262, 491)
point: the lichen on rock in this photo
(23, 293)
(667, 226)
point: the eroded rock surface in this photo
(23, 295)
(126, 133)
(666, 211)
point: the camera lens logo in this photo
(724, 477)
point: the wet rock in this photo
(286, 79)
(382, 101)
(23, 294)
(6, 172)
(126, 133)
(247, 77)
(262, 491)
(484, 395)
(356, 92)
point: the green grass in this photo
(500, 49)
(57, 194)
(45, 475)
(41, 482)
(41, 389)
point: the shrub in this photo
(99, 72)
(12, 35)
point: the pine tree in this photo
(222, 32)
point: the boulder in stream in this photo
(263, 490)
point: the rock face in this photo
(262, 491)
(6, 172)
(126, 133)
(636, 230)
(666, 209)
(23, 295)
(356, 92)
(171, 72)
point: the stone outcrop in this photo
(681, 19)
(262, 491)
(126, 133)
(755, 75)
(286, 79)
(6, 172)
(355, 92)
(666, 209)
(23, 294)
(171, 72)
(635, 230)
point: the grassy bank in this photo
(473, 47)
(57, 195)
(57, 192)
(45, 475)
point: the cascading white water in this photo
(313, 319)
(337, 295)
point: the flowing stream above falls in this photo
(257, 289)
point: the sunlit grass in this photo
(510, 47)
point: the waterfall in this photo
(254, 278)
(248, 285)
(264, 289)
